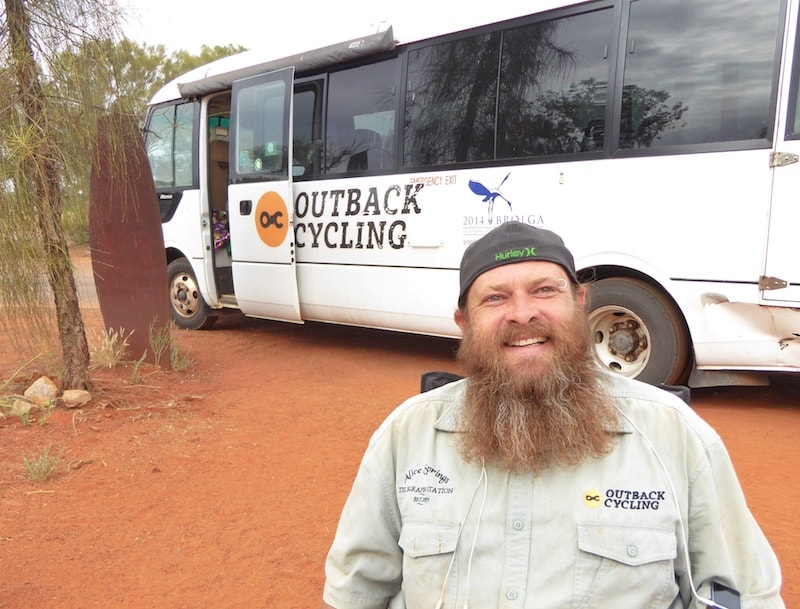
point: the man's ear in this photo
(581, 294)
(460, 318)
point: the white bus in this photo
(660, 138)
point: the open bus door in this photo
(781, 279)
(260, 197)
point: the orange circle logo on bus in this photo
(272, 219)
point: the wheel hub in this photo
(184, 296)
(626, 340)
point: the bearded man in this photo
(540, 480)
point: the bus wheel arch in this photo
(637, 329)
(187, 308)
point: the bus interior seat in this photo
(218, 174)
(367, 151)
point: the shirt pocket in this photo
(428, 548)
(632, 564)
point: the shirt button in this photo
(518, 525)
(511, 595)
(633, 551)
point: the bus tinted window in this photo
(262, 144)
(305, 133)
(698, 72)
(451, 102)
(554, 85)
(361, 118)
(169, 145)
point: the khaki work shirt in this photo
(611, 532)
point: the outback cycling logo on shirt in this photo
(424, 482)
(622, 499)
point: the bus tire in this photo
(638, 332)
(186, 305)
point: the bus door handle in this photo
(245, 207)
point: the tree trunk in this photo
(45, 176)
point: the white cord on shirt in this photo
(482, 478)
(706, 601)
(477, 526)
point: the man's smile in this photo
(526, 342)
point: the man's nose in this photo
(522, 308)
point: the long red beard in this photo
(546, 412)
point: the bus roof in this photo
(220, 74)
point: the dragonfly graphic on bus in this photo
(489, 194)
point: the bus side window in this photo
(361, 118)
(306, 147)
(707, 79)
(170, 150)
(451, 98)
(158, 141)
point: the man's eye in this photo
(547, 290)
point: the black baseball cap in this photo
(513, 242)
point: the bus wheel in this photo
(186, 305)
(637, 332)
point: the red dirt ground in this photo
(221, 486)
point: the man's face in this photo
(534, 399)
(521, 311)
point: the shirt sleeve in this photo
(364, 565)
(725, 542)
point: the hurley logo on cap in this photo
(525, 252)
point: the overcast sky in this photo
(185, 24)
